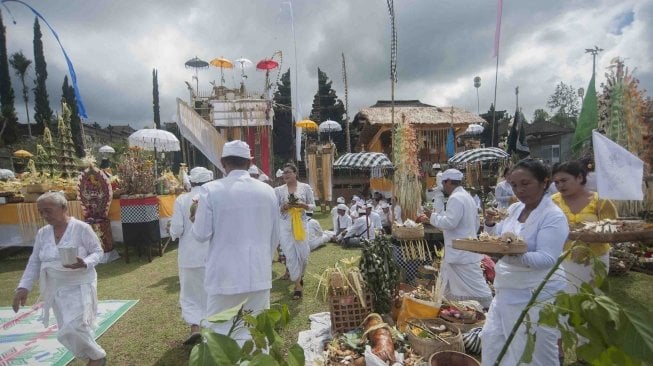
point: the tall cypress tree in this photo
(9, 129)
(155, 99)
(42, 110)
(283, 124)
(326, 105)
(68, 95)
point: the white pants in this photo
(500, 320)
(296, 252)
(465, 282)
(257, 301)
(579, 273)
(192, 296)
(76, 336)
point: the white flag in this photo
(619, 173)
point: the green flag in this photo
(588, 119)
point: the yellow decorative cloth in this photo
(597, 209)
(297, 225)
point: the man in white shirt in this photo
(375, 218)
(191, 255)
(462, 276)
(239, 215)
(334, 211)
(342, 223)
(386, 218)
(256, 173)
(360, 229)
(316, 236)
(431, 192)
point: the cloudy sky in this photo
(443, 45)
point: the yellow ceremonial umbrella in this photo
(307, 124)
(222, 63)
(23, 154)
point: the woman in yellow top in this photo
(580, 205)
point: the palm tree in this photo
(21, 63)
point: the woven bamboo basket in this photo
(37, 188)
(425, 347)
(407, 233)
(466, 326)
(490, 247)
(347, 312)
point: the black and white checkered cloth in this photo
(139, 213)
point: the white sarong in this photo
(501, 318)
(579, 273)
(465, 282)
(257, 301)
(192, 296)
(72, 294)
(296, 252)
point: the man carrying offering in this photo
(462, 276)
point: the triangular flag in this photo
(588, 119)
(619, 173)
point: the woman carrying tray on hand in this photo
(544, 228)
(580, 204)
(295, 198)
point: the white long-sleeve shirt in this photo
(78, 234)
(545, 232)
(458, 221)
(239, 215)
(342, 222)
(362, 227)
(503, 193)
(191, 253)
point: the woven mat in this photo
(25, 341)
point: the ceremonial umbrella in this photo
(244, 63)
(222, 63)
(196, 63)
(154, 139)
(106, 149)
(364, 160)
(476, 155)
(22, 154)
(267, 65)
(329, 126)
(307, 124)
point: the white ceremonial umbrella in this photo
(329, 126)
(154, 139)
(106, 149)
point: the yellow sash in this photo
(296, 223)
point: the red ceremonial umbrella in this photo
(267, 65)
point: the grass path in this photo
(152, 332)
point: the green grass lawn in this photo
(152, 332)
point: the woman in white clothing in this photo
(503, 192)
(543, 226)
(70, 290)
(295, 198)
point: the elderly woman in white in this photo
(71, 289)
(544, 228)
(297, 197)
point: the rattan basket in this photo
(407, 233)
(347, 312)
(425, 347)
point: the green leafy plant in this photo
(264, 349)
(612, 335)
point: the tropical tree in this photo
(68, 95)
(283, 122)
(9, 129)
(42, 110)
(327, 106)
(540, 115)
(564, 103)
(20, 63)
(155, 99)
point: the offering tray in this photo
(613, 231)
(487, 244)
